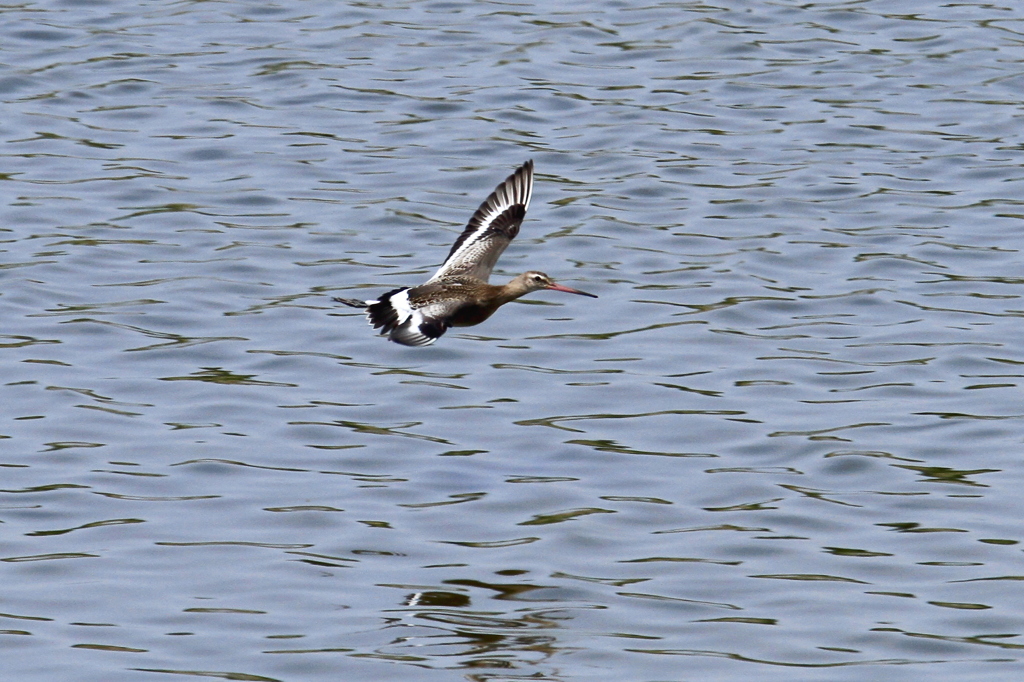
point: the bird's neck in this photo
(513, 290)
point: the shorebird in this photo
(458, 294)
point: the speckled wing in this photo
(492, 227)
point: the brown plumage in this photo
(458, 294)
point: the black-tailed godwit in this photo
(458, 294)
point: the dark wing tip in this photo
(509, 221)
(382, 314)
(423, 334)
(504, 208)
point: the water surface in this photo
(783, 443)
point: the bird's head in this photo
(535, 281)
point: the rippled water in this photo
(784, 443)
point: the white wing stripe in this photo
(516, 189)
(400, 302)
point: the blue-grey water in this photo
(785, 443)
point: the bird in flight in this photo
(458, 295)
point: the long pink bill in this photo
(570, 290)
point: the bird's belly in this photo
(469, 315)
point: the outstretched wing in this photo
(492, 227)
